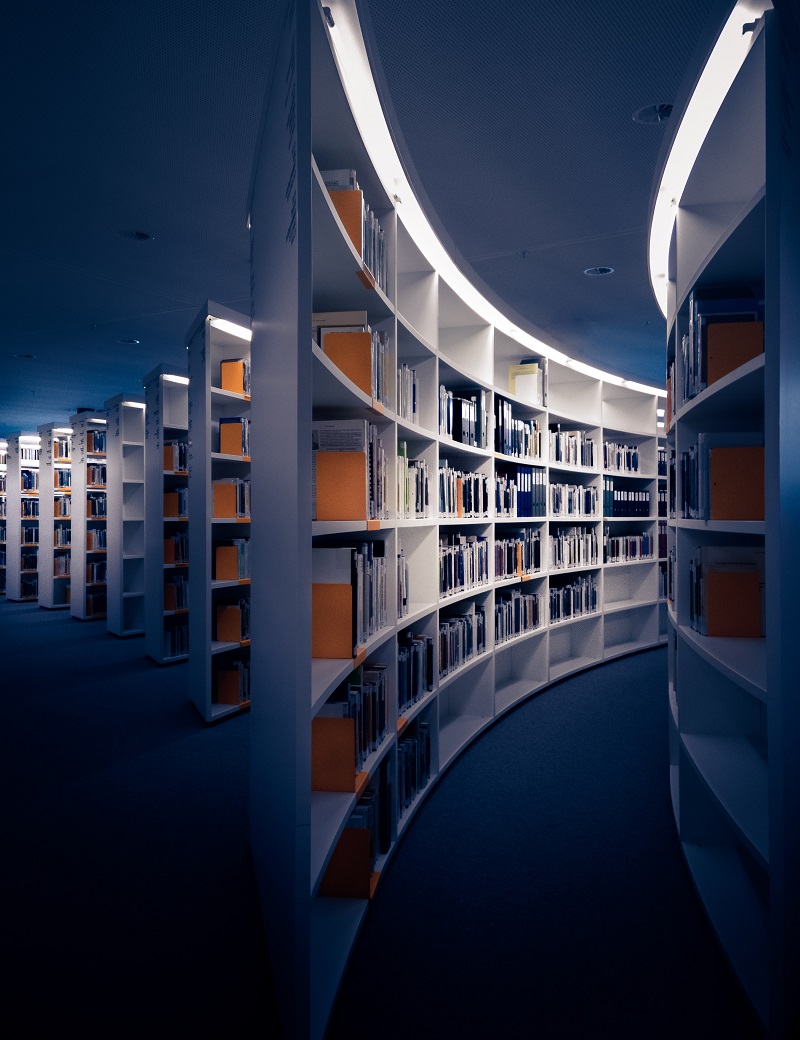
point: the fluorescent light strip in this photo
(359, 86)
(135, 404)
(62, 429)
(715, 81)
(177, 379)
(231, 328)
(30, 439)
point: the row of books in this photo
(624, 548)
(516, 613)
(29, 586)
(520, 492)
(414, 668)
(413, 486)
(622, 502)
(62, 448)
(461, 493)
(349, 597)
(176, 549)
(176, 456)
(364, 699)
(461, 638)
(232, 559)
(574, 547)
(725, 331)
(663, 501)
(29, 560)
(349, 471)
(518, 555)
(27, 453)
(573, 500)
(96, 604)
(573, 600)
(30, 508)
(403, 585)
(230, 680)
(234, 376)
(360, 352)
(413, 764)
(662, 539)
(234, 436)
(96, 538)
(2, 483)
(528, 380)
(722, 477)
(621, 458)
(95, 474)
(96, 572)
(176, 503)
(62, 478)
(62, 536)
(463, 562)
(176, 592)
(233, 621)
(518, 438)
(571, 447)
(61, 566)
(231, 498)
(96, 441)
(360, 222)
(176, 640)
(463, 419)
(727, 591)
(408, 394)
(30, 535)
(29, 479)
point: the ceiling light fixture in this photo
(177, 379)
(231, 328)
(135, 404)
(715, 81)
(129, 342)
(353, 65)
(597, 271)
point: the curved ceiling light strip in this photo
(354, 71)
(715, 81)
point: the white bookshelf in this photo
(166, 490)
(3, 514)
(55, 515)
(22, 520)
(734, 723)
(89, 551)
(304, 262)
(125, 420)
(219, 660)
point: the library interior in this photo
(398, 505)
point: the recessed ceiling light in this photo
(593, 271)
(653, 114)
(137, 236)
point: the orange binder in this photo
(231, 376)
(332, 621)
(169, 550)
(348, 873)
(230, 438)
(341, 485)
(736, 483)
(229, 624)
(351, 352)
(349, 204)
(226, 563)
(169, 457)
(224, 500)
(333, 752)
(227, 688)
(732, 604)
(169, 596)
(171, 503)
(730, 344)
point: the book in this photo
(727, 591)
(234, 375)
(528, 380)
(234, 436)
(731, 344)
(736, 483)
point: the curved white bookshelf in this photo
(733, 721)
(305, 263)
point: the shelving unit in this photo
(22, 520)
(166, 526)
(125, 431)
(306, 260)
(89, 552)
(733, 720)
(219, 418)
(3, 514)
(55, 515)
